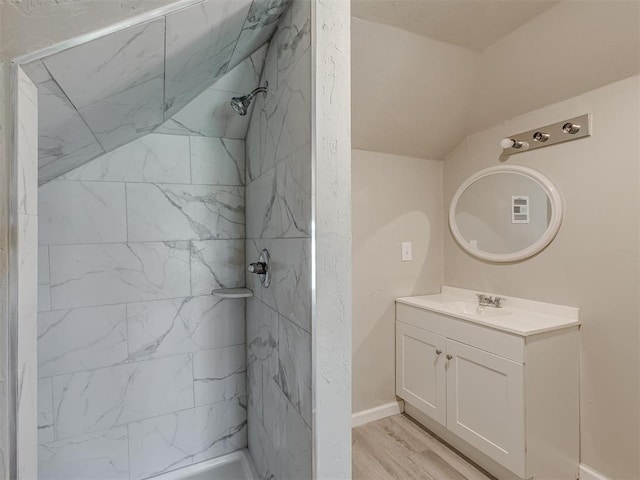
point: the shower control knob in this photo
(259, 268)
(262, 268)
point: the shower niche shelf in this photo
(233, 293)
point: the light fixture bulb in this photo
(507, 143)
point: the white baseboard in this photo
(587, 473)
(376, 413)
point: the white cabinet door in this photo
(485, 403)
(420, 375)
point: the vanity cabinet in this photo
(420, 374)
(485, 402)
(475, 394)
(510, 399)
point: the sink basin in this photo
(471, 308)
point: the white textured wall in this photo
(416, 96)
(332, 218)
(567, 50)
(4, 229)
(592, 263)
(30, 25)
(400, 80)
(4, 232)
(395, 199)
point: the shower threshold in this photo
(233, 466)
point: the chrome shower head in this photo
(241, 104)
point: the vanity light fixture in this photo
(559, 132)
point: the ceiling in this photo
(473, 24)
(418, 96)
(102, 94)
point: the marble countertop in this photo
(517, 316)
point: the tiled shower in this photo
(141, 369)
(134, 348)
(278, 196)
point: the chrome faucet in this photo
(489, 301)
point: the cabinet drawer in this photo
(500, 343)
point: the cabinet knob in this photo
(449, 356)
(438, 352)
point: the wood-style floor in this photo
(398, 448)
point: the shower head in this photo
(241, 104)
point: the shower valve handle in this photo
(259, 268)
(262, 268)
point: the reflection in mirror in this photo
(505, 213)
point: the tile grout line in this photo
(49, 283)
(118, 425)
(191, 247)
(164, 76)
(173, 240)
(129, 456)
(53, 408)
(152, 300)
(75, 109)
(190, 160)
(142, 182)
(193, 379)
(127, 325)
(126, 209)
(102, 179)
(140, 360)
(277, 312)
(296, 409)
(126, 425)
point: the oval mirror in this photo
(505, 213)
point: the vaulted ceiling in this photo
(99, 95)
(471, 24)
(477, 63)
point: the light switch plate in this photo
(407, 255)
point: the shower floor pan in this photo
(233, 466)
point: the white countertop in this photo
(517, 316)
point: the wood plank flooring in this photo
(397, 448)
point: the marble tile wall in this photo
(102, 94)
(115, 82)
(278, 217)
(140, 369)
(209, 114)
